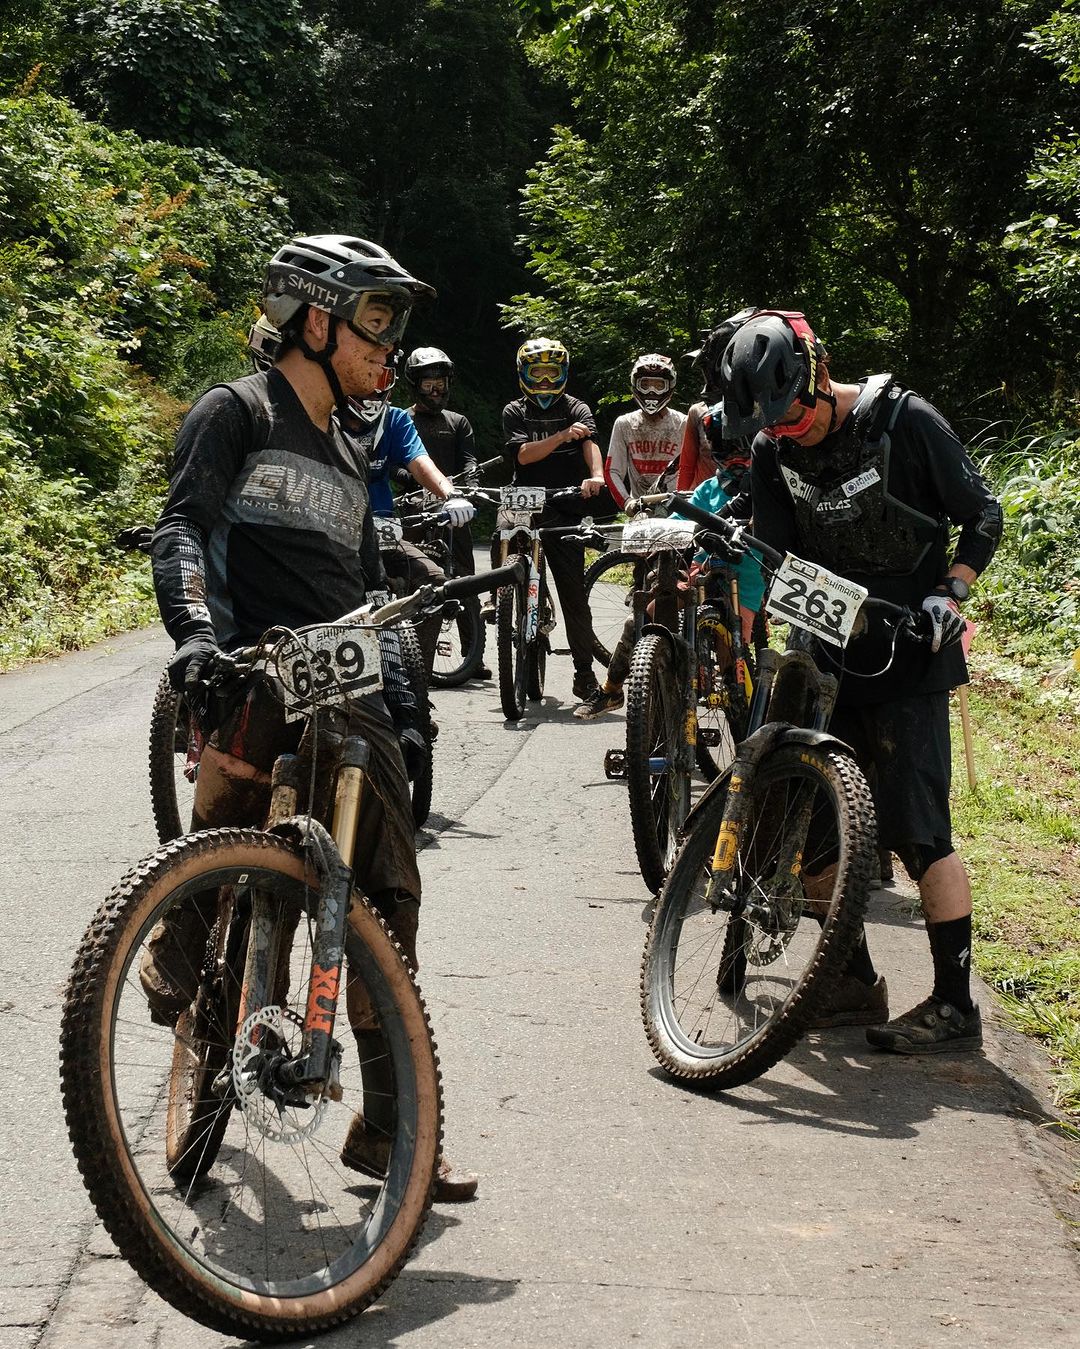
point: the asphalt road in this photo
(847, 1198)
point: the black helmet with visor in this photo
(772, 363)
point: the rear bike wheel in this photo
(657, 788)
(721, 707)
(271, 1235)
(420, 787)
(609, 591)
(174, 761)
(459, 648)
(512, 651)
(730, 982)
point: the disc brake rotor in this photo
(289, 1123)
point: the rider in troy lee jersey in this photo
(644, 443)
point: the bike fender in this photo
(752, 751)
(677, 646)
(801, 735)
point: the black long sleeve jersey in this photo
(267, 519)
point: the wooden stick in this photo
(965, 721)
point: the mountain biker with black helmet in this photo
(866, 479)
(268, 523)
(447, 437)
(550, 439)
(644, 443)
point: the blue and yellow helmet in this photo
(543, 366)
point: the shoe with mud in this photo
(602, 701)
(934, 1027)
(853, 1003)
(370, 1155)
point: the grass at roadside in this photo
(1019, 834)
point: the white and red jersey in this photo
(640, 449)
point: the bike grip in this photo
(684, 506)
(464, 587)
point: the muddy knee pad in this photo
(918, 858)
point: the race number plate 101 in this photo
(810, 597)
(328, 666)
(523, 499)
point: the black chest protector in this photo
(844, 513)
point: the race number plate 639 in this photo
(810, 597)
(523, 499)
(329, 666)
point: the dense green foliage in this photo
(126, 274)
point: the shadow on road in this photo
(849, 1088)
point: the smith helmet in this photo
(772, 362)
(350, 278)
(264, 343)
(652, 380)
(543, 367)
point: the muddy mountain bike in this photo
(687, 689)
(765, 899)
(525, 619)
(212, 1147)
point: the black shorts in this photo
(903, 748)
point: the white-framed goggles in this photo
(653, 383)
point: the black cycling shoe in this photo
(853, 1003)
(934, 1027)
(585, 685)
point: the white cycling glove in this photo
(631, 506)
(946, 624)
(458, 511)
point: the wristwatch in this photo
(955, 588)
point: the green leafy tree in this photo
(859, 160)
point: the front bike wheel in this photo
(271, 1236)
(512, 650)
(174, 761)
(731, 981)
(609, 590)
(423, 778)
(657, 787)
(459, 648)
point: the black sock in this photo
(950, 945)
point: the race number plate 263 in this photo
(810, 597)
(331, 665)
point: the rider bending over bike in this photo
(268, 522)
(866, 479)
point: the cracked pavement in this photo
(847, 1198)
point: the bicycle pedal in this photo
(615, 764)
